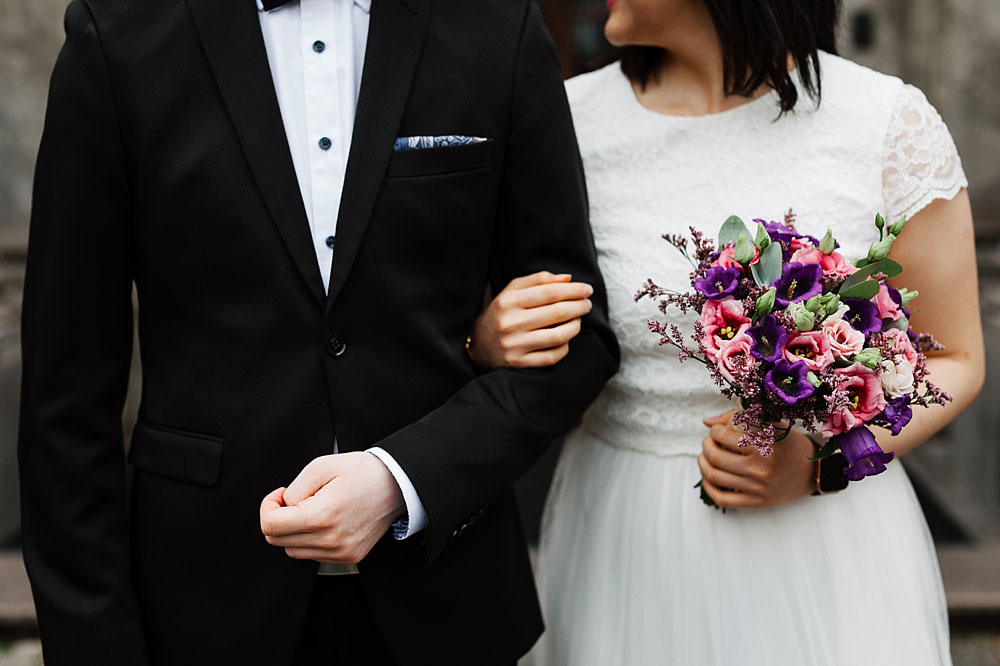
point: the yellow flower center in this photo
(804, 352)
(728, 333)
(791, 289)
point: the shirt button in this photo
(325, 143)
(330, 240)
(319, 46)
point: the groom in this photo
(310, 198)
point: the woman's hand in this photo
(741, 478)
(530, 323)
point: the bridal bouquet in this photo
(801, 336)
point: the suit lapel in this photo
(230, 34)
(395, 38)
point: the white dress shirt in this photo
(316, 50)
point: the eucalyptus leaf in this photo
(859, 276)
(768, 269)
(731, 230)
(865, 290)
(826, 450)
(889, 267)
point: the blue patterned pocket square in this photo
(405, 143)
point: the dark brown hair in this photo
(757, 37)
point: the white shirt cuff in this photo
(416, 517)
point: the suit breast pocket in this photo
(443, 161)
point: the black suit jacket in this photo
(164, 164)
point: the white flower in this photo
(839, 314)
(897, 378)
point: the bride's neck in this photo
(690, 79)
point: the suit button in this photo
(335, 345)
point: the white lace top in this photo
(873, 145)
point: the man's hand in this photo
(335, 510)
(740, 478)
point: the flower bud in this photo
(879, 222)
(880, 250)
(906, 295)
(830, 302)
(813, 379)
(765, 303)
(804, 319)
(828, 244)
(744, 252)
(869, 356)
(897, 226)
(762, 239)
(815, 303)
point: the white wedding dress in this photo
(634, 570)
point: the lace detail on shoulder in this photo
(921, 163)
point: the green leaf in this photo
(826, 450)
(761, 239)
(731, 230)
(706, 498)
(828, 244)
(889, 267)
(768, 269)
(744, 252)
(857, 277)
(865, 290)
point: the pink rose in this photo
(797, 244)
(734, 354)
(811, 347)
(864, 388)
(901, 345)
(832, 264)
(887, 308)
(722, 321)
(726, 259)
(845, 341)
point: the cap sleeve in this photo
(920, 162)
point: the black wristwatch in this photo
(830, 476)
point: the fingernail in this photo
(590, 290)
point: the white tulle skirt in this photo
(635, 570)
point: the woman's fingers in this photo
(556, 313)
(724, 459)
(721, 419)
(546, 294)
(728, 499)
(723, 479)
(541, 277)
(547, 338)
(544, 358)
(728, 438)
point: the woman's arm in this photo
(530, 323)
(938, 254)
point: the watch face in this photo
(831, 473)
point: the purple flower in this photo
(862, 315)
(864, 456)
(718, 282)
(789, 381)
(897, 413)
(798, 282)
(769, 338)
(780, 233)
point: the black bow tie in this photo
(273, 4)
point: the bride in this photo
(720, 108)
